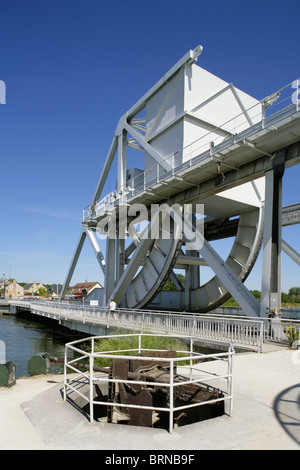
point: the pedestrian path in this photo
(266, 414)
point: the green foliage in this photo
(295, 291)
(293, 297)
(292, 334)
(284, 297)
(125, 345)
(231, 302)
(169, 285)
(256, 294)
(290, 299)
(42, 292)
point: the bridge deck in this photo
(240, 331)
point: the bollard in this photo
(7, 374)
(39, 364)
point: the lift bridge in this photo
(202, 143)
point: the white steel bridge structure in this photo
(213, 149)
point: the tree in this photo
(256, 294)
(285, 298)
(169, 285)
(294, 291)
(42, 292)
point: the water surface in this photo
(25, 338)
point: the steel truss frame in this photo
(270, 164)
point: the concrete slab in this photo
(266, 414)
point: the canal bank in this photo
(266, 414)
(25, 335)
(4, 308)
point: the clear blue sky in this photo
(73, 67)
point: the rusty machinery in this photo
(147, 401)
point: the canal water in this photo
(24, 338)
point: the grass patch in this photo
(124, 346)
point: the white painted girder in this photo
(96, 248)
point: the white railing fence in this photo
(194, 373)
(239, 331)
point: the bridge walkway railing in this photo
(239, 331)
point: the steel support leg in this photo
(267, 245)
(192, 278)
(120, 257)
(271, 263)
(109, 282)
(275, 298)
(73, 264)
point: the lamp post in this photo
(4, 285)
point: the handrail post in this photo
(230, 378)
(65, 373)
(171, 407)
(297, 95)
(143, 323)
(191, 360)
(91, 389)
(261, 337)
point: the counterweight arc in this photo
(160, 259)
(157, 265)
(241, 260)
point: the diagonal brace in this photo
(291, 252)
(96, 248)
(233, 284)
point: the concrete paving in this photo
(266, 414)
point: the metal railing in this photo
(275, 328)
(282, 330)
(194, 373)
(239, 331)
(264, 114)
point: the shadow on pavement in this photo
(287, 411)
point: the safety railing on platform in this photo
(264, 115)
(197, 369)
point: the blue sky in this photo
(73, 67)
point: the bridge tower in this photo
(210, 164)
